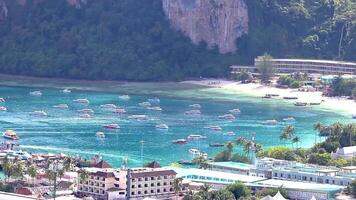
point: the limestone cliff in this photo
(216, 22)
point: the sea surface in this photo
(64, 131)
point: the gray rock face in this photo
(216, 22)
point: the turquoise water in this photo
(64, 131)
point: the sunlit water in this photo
(64, 131)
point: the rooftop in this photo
(235, 165)
(316, 61)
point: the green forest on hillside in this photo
(132, 39)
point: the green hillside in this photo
(132, 40)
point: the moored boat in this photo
(38, 113)
(3, 108)
(119, 111)
(66, 91)
(216, 145)
(145, 104)
(61, 106)
(196, 137)
(270, 122)
(100, 135)
(154, 100)
(2, 99)
(86, 115)
(195, 105)
(138, 117)
(227, 116)
(290, 98)
(155, 108)
(162, 126)
(300, 103)
(10, 134)
(108, 106)
(197, 152)
(180, 141)
(314, 103)
(230, 133)
(111, 126)
(192, 112)
(267, 96)
(289, 119)
(235, 111)
(36, 93)
(124, 97)
(83, 101)
(214, 128)
(86, 110)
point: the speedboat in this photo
(145, 104)
(154, 100)
(66, 91)
(214, 128)
(192, 112)
(196, 153)
(119, 111)
(86, 115)
(267, 96)
(180, 141)
(36, 93)
(10, 134)
(61, 106)
(196, 137)
(3, 108)
(111, 126)
(289, 119)
(83, 101)
(155, 108)
(230, 133)
(227, 116)
(124, 97)
(86, 110)
(315, 103)
(300, 103)
(38, 113)
(2, 99)
(108, 106)
(195, 106)
(235, 111)
(162, 126)
(100, 135)
(138, 117)
(290, 98)
(270, 122)
(216, 145)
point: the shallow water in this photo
(64, 131)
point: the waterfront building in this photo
(231, 167)
(345, 152)
(150, 183)
(103, 184)
(302, 65)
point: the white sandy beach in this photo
(341, 105)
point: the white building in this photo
(345, 152)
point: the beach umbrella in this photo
(313, 198)
(278, 196)
(267, 198)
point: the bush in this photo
(295, 84)
(239, 190)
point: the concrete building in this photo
(302, 65)
(345, 152)
(150, 182)
(103, 184)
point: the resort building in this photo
(302, 65)
(345, 152)
(150, 183)
(103, 184)
(231, 167)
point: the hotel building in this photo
(302, 65)
(150, 183)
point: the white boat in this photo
(195, 106)
(100, 135)
(83, 101)
(235, 111)
(86, 110)
(36, 93)
(180, 141)
(124, 97)
(108, 106)
(155, 108)
(61, 106)
(138, 117)
(214, 128)
(3, 108)
(38, 113)
(10, 134)
(192, 112)
(230, 133)
(111, 126)
(270, 122)
(154, 100)
(2, 99)
(289, 119)
(162, 126)
(120, 111)
(196, 153)
(227, 116)
(86, 116)
(196, 137)
(66, 91)
(145, 104)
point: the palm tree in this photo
(177, 185)
(287, 133)
(8, 167)
(320, 128)
(230, 146)
(201, 161)
(68, 163)
(296, 140)
(204, 190)
(83, 175)
(32, 172)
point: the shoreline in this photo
(219, 86)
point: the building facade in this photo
(150, 182)
(302, 65)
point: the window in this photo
(158, 191)
(158, 184)
(139, 179)
(165, 177)
(275, 174)
(139, 192)
(145, 192)
(146, 179)
(133, 186)
(327, 181)
(164, 183)
(333, 181)
(139, 185)
(288, 175)
(132, 193)
(152, 191)
(164, 190)
(152, 184)
(146, 185)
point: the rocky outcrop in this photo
(216, 22)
